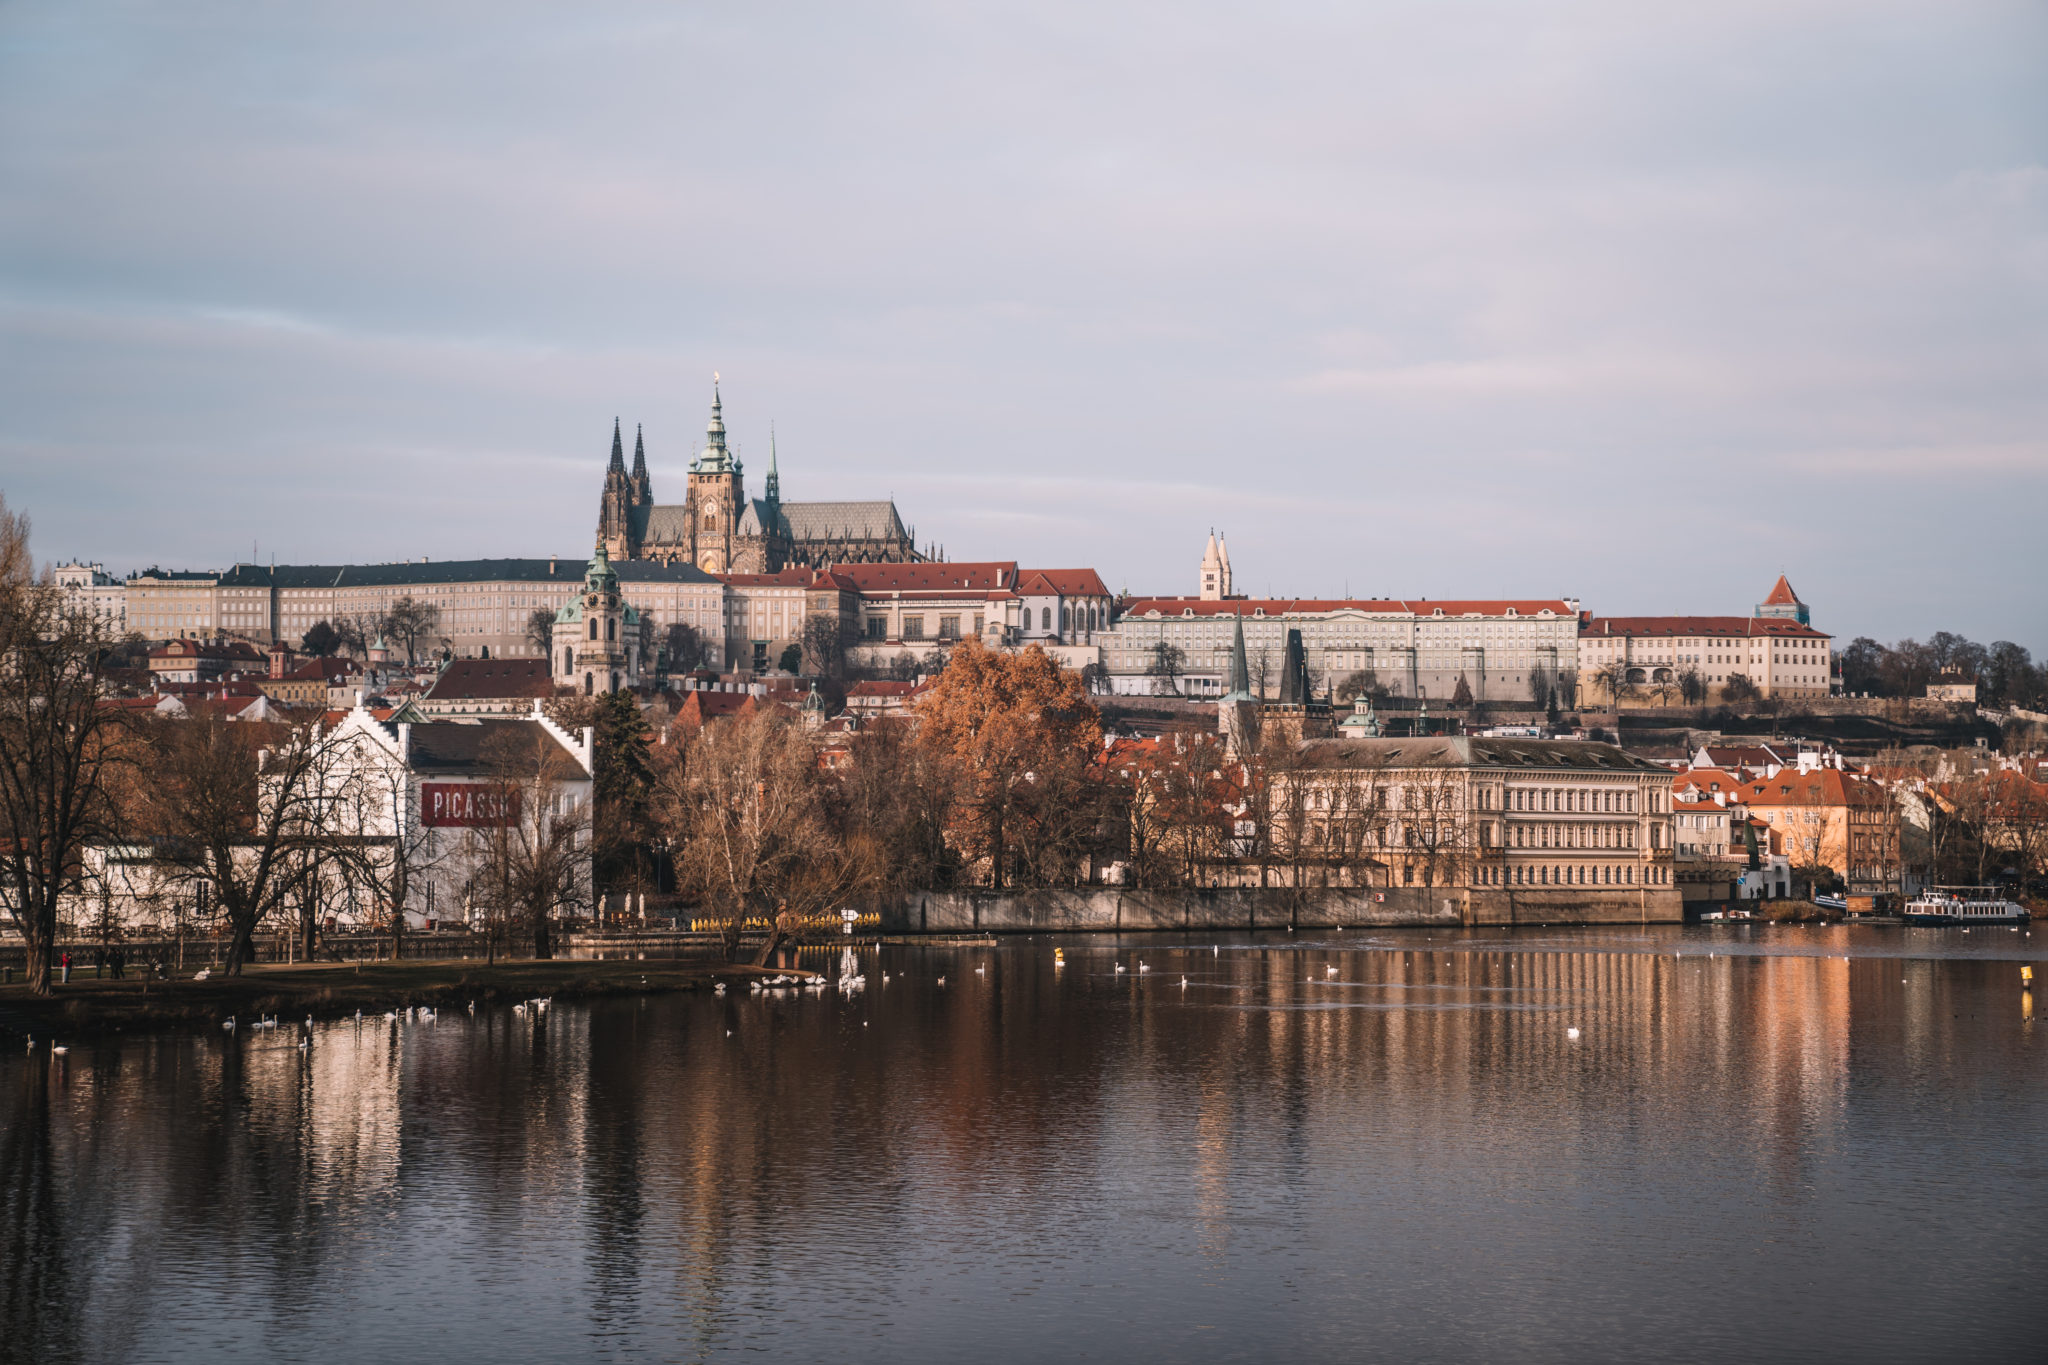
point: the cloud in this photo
(1466, 298)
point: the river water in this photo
(1790, 1144)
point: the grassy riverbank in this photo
(327, 991)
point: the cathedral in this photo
(718, 528)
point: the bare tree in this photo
(1362, 683)
(1692, 686)
(1169, 661)
(747, 806)
(1740, 688)
(374, 838)
(824, 645)
(532, 849)
(410, 621)
(1567, 693)
(540, 630)
(1612, 678)
(354, 634)
(56, 744)
(1436, 834)
(17, 566)
(239, 808)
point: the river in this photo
(1763, 1143)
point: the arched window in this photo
(611, 628)
(568, 660)
(1045, 618)
(589, 683)
(593, 627)
(615, 680)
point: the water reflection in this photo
(1775, 1147)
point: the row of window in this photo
(1599, 874)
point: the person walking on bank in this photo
(65, 964)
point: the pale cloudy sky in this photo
(1641, 303)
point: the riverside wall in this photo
(1110, 910)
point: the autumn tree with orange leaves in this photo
(1018, 733)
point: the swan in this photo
(390, 1016)
(1329, 971)
(1143, 968)
(59, 1050)
(229, 1026)
(1120, 968)
(980, 971)
(1183, 983)
(942, 981)
(1571, 1033)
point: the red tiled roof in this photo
(1061, 583)
(486, 679)
(700, 706)
(331, 670)
(1782, 595)
(875, 687)
(1743, 626)
(1821, 787)
(1283, 606)
(922, 578)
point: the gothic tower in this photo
(717, 495)
(615, 509)
(643, 487)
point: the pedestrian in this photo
(65, 962)
(119, 954)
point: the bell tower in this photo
(717, 494)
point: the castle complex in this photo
(719, 529)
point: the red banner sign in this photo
(466, 806)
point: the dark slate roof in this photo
(463, 747)
(825, 521)
(563, 569)
(1457, 751)
(475, 679)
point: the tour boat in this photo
(1964, 905)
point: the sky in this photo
(1638, 304)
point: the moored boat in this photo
(1964, 905)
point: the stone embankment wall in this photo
(1111, 910)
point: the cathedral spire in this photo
(618, 450)
(643, 487)
(716, 459)
(773, 491)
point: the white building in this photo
(1499, 648)
(1411, 648)
(90, 590)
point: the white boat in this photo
(1964, 905)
